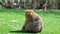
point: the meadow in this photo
(13, 20)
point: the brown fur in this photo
(33, 22)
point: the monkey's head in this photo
(29, 13)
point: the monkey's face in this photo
(29, 13)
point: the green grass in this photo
(13, 20)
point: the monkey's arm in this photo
(26, 22)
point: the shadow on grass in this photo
(23, 32)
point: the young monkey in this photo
(33, 22)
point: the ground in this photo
(12, 20)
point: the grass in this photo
(13, 20)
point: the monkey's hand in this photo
(23, 28)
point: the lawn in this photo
(13, 20)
